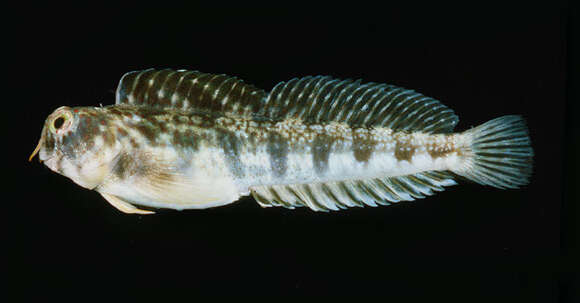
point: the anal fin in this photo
(353, 193)
(124, 206)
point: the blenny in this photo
(185, 139)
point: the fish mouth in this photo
(51, 163)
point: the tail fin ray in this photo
(501, 153)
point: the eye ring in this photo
(61, 122)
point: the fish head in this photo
(72, 144)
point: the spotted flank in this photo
(184, 139)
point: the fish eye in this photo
(61, 122)
(58, 122)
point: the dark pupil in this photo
(58, 122)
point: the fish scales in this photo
(182, 139)
(297, 152)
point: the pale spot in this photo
(98, 141)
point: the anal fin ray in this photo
(353, 193)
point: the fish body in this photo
(185, 139)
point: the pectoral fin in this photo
(124, 206)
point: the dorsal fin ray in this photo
(189, 90)
(322, 99)
(316, 100)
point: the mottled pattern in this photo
(187, 139)
(189, 132)
(89, 126)
(155, 126)
(310, 118)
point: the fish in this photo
(182, 139)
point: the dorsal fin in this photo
(189, 90)
(322, 99)
(311, 99)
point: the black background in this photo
(466, 243)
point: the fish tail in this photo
(499, 153)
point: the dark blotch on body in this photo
(321, 152)
(109, 138)
(362, 147)
(147, 131)
(401, 152)
(70, 142)
(231, 145)
(437, 152)
(122, 132)
(278, 151)
(133, 143)
(123, 167)
(86, 131)
(161, 125)
(115, 111)
(186, 139)
(49, 141)
(207, 121)
(252, 142)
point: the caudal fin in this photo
(501, 154)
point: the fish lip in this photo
(50, 163)
(42, 157)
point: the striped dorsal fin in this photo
(189, 90)
(313, 100)
(322, 99)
